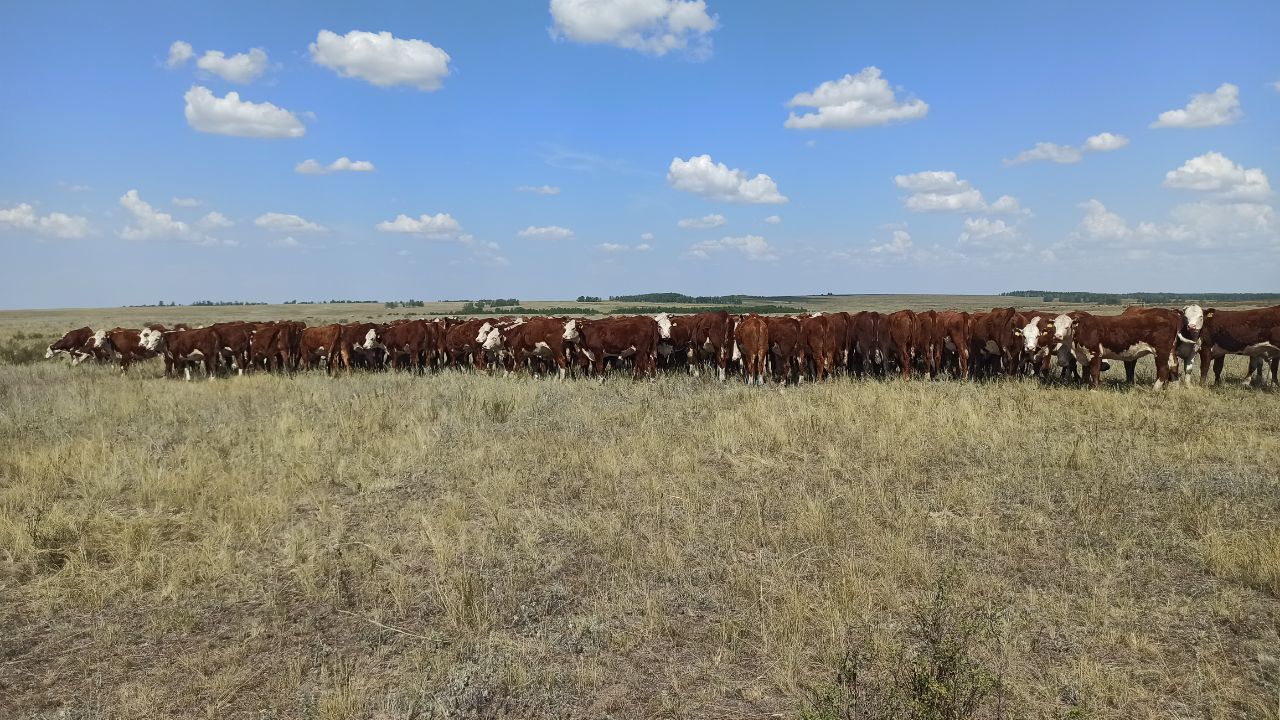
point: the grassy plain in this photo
(391, 546)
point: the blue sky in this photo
(132, 176)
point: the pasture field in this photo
(459, 545)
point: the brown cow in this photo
(415, 341)
(125, 345)
(951, 341)
(460, 343)
(1253, 333)
(675, 344)
(897, 333)
(751, 346)
(621, 337)
(864, 342)
(233, 343)
(318, 345)
(786, 345)
(818, 340)
(180, 348)
(356, 342)
(711, 339)
(924, 330)
(1124, 337)
(78, 344)
(995, 342)
(540, 339)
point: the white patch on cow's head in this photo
(151, 340)
(1031, 335)
(664, 324)
(571, 330)
(1061, 327)
(370, 339)
(99, 338)
(484, 332)
(1194, 316)
(493, 340)
(48, 352)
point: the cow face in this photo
(571, 331)
(99, 338)
(1192, 322)
(370, 339)
(484, 332)
(1031, 335)
(151, 339)
(664, 325)
(49, 352)
(1062, 328)
(492, 340)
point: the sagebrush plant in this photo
(389, 545)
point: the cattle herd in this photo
(1004, 341)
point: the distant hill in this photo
(1145, 298)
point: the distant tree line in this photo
(221, 303)
(405, 303)
(680, 298)
(589, 298)
(1145, 298)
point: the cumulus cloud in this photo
(995, 237)
(706, 221)
(1068, 154)
(342, 164)
(1198, 226)
(230, 115)
(179, 53)
(539, 189)
(549, 232)
(285, 242)
(701, 175)
(382, 59)
(240, 68)
(187, 202)
(646, 236)
(899, 245)
(441, 226)
(773, 219)
(25, 218)
(656, 27)
(1220, 107)
(151, 224)
(752, 247)
(944, 191)
(215, 220)
(287, 223)
(622, 248)
(1215, 173)
(853, 101)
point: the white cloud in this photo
(539, 189)
(622, 248)
(1220, 107)
(997, 237)
(854, 101)
(899, 245)
(1229, 224)
(642, 247)
(550, 232)
(285, 242)
(646, 236)
(215, 220)
(240, 68)
(150, 224)
(701, 175)
(73, 187)
(1062, 154)
(1068, 154)
(23, 217)
(342, 164)
(943, 191)
(652, 26)
(231, 116)
(773, 219)
(1105, 142)
(753, 247)
(441, 226)
(704, 222)
(286, 222)
(1215, 173)
(179, 53)
(382, 59)
(186, 202)
(1199, 226)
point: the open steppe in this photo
(394, 546)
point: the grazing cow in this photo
(711, 339)
(1124, 337)
(786, 344)
(541, 339)
(751, 345)
(896, 332)
(461, 345)
(125, 345)
(1253, 333)
(621, 337)
(415, 341)
(356, 343)
(676, 346)
(951, 341)
(923, 339)
(841, 332)
(78, 344)
(276, 345)
(819, 341)
(995, 342)
(318, 344)
(864, 340)
(234, 339)
(181, 348)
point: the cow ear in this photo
(1208, 313)
(1016, 331)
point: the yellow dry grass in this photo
(392, 546)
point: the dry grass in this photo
(393, 547)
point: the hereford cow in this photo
(951, 342)
(411, 344)
(1253, 333)
(923, 339)
(317, 346)
(181, 348)
(818, 340)
(896, 332)
(621, 337)
(77, 344)
(751, 347)
(786, 347)
(864, 342)
(1124, 337)
(711, 339)
(995, 342)
(461, 345)
(541, 339)
(1190, 321)
(125, 345)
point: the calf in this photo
(1253, 333)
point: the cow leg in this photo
(1275, 370)
(1095, 371)
(1218, 362)
(1130, 370)
(1162, 369)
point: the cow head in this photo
(492, 340)
(1192, 323)
(664, 325)
(571, 331)
(1062, 326)
(150, 339)
(99, 338)
(49, 352)
(370, 339)
(484, 332)
(1030, 335)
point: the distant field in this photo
(390, 546)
